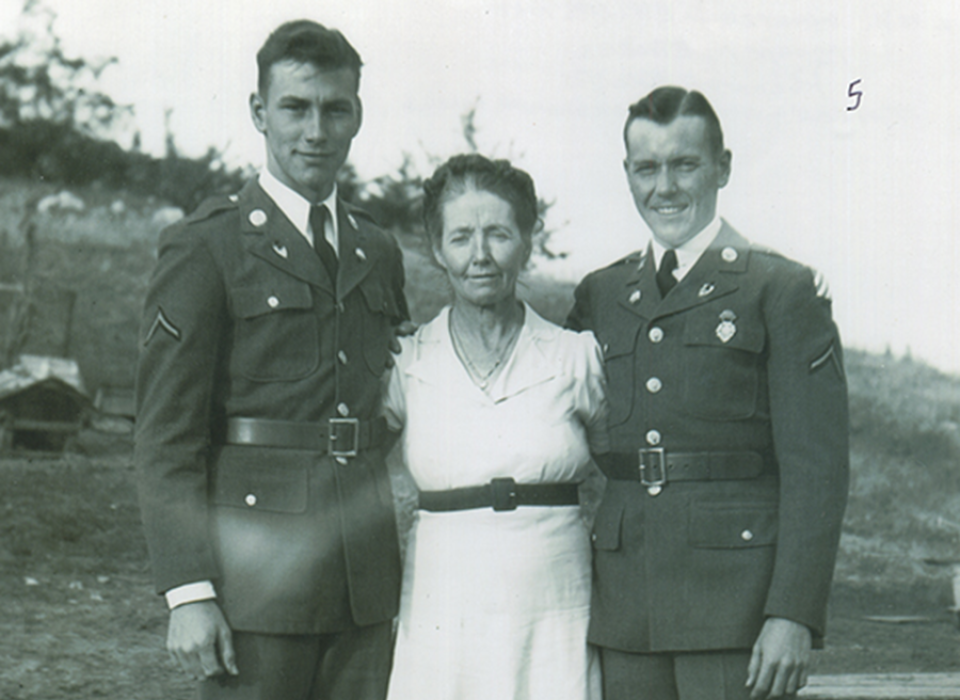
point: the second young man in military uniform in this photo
(715, 542)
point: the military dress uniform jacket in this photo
(242, 320)
(737, 376)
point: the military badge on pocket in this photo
(726, 330)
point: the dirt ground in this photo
(79, 618)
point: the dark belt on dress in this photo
(338, 437)
(654, 467)
(500, 494)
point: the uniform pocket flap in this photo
(733, 525)
(714, 331)
(607, 527)
(253, 301)
(280, 489)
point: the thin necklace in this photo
(480, 378)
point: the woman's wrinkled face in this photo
(481, 247)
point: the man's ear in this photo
(258, 112)
(726, 162)
(359, 116)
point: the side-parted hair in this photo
(666, 103)
(472, 170)
(305, 41)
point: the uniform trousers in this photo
(708, 675)
(350, 665)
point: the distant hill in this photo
(902, 528)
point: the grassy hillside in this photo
(905, 492)
(902, 528)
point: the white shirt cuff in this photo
(190, 593)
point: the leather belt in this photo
(654, 467)
(500, 494)
(338, 437)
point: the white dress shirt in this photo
(297, 209)
(689, 252)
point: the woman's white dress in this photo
(495, 605)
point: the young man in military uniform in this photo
(715, 542)
(266, 503)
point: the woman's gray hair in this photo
(497, 177)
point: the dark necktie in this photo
(665, 279)
(318, 222)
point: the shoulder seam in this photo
(627, 259)
(209, 208)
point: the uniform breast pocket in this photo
(276, 331)
(619, 363)
(721, 364)
(380, 316)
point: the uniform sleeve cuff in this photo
(190, 593)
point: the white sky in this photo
(867, 196)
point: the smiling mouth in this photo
(670, 210)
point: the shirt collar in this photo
(295, 207)
(689, 252)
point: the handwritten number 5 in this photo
(854, 93)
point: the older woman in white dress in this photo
(498, 408)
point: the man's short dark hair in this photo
(665, 104)
(305, 41)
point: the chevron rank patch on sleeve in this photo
(829, 356)
(161, 322)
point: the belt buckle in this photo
(336, 436)
(657, 466)
(504, 493)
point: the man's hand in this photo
(401, 330)
(780, 659)
(200, 640)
